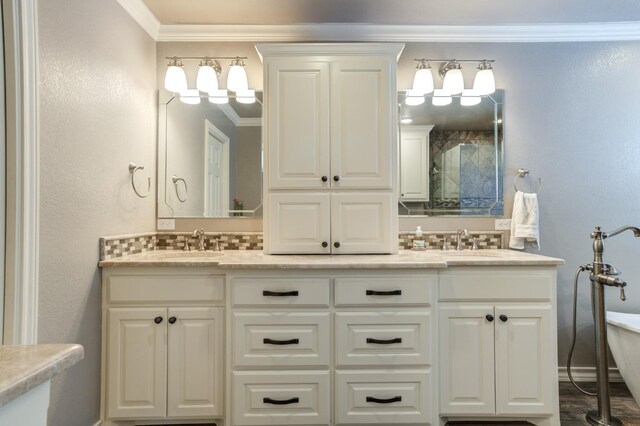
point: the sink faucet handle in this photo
(475, 245)
(445, 244)
(623, 296)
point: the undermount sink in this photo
(179, 254)
(479, 253)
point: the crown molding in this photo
(605, 31)
(250, 122)
(230, 113)
(143, 16)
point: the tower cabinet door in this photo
(137, 363)
(414, 163)
(362, 223)
(299, 223)
(524, 370)
(196, 368)
(298, 124)
(466, 360)
(363, 123)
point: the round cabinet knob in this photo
(157, 320)
(336, 178)
(325, 244)
(504, 318)
(324, 178)
(172, 320)
(336, 244)
(489, 318)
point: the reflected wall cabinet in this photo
(330, 142)
(414, 163)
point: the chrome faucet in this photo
(200, 235)
(461, 232)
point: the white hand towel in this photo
(525, 225)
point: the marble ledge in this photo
(24, 367)
(405, 259)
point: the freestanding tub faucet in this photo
(600, 274)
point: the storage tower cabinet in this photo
(330, 143)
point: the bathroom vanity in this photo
(252, 339)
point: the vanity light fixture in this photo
(469, 98)
(423, 79)
(406, 120)
(219, 96)
(246, 96)
(237, 78)
(414, 98)
(441, 98)
(453, 81)
(190, 96)
(175, 80)
(208, 72)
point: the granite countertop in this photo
(406, 259)
(24, 367)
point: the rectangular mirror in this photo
(209, 157)
(451, 156)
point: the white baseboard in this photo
(586, 374)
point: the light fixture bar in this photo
(200, 58)
(447, 60)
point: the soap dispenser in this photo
(418, 242)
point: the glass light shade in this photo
(406, 121)
(219, 97)
(423, 81)
(175, 80)
(453, 82)
(190, 96)
(237, 79)
(207, 81)
(414, 98)
(470, 98)
(441, 98)
(246, 96)
(485, 82)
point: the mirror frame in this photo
(499, 141)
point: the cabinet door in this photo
(466, 360)
(414, 163)
(362, 223)
(137, 363)
(196, 369)
(298, 124)
(299, 223)
(524, 370)
(363, 123)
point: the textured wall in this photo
(97, 113)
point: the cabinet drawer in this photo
(496, 285)
(165, 288)
(383, 338)
(281, 398)
(391, 290)
(281, 339)
(383, 397)
(280, 291)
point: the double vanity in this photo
(252, 339)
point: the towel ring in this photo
(177, 179)
(132, 170)
(521, 173)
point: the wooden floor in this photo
(574, 405)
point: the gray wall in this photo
(97, 113)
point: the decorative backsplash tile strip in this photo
(434, 240)
(113, 247)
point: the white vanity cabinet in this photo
(163, 335)
(414, 162)
(330, 130)
(497, 342)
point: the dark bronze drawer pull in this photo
(384, 342)
(384, 293)
(280, 293)
(268, 341)
(293, 400)
(384, 401)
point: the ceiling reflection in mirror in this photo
(209, 157)
(451, 157)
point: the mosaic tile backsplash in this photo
(113, 247)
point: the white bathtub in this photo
(623, 333)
